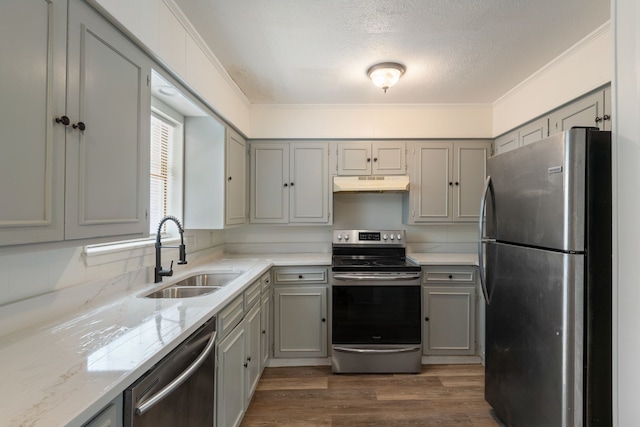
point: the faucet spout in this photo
(158, 271)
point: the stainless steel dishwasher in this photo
(178, 390)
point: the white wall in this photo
(371, 121)
(581, 69)
(626, 149)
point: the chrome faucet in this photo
(159, 272)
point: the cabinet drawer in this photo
(230, 316)
(265, 280)
(298, 275)
(439, 275)
(252, 294)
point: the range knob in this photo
(346, 236)
(384, 237)
(393, 237)
(399, 237)
(339, 237)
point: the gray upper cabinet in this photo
(447, 179)
(371, 158)
(215, 175)
(109, 104)
(33, 75)
(591, 110)
(57, 180)
(290, 183)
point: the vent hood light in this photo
(370, 183)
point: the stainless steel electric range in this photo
(376, 303)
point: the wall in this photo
(626, 149)
(30, 270)
(581, 69)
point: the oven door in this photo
(376, 325)
(376, 312)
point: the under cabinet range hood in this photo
(370, 183)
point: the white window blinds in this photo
(162, 136)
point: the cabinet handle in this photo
(606, 117)
(300, 276)
(450, 276)
(324, 320)
(598, 119)
(246, 365)
(249, 359)
(229, 179)
(457, 184)
(291, 184)
(264, 332)
(64, 120)
(426, 319)
(451, 184)
(368, 160)
(375, 159)
(286, 185)
(79, 125)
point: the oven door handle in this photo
(374, 277)
(376, 350)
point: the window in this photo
(165, 169)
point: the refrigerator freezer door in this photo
(534, 336)
(538, 193)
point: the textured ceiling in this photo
(455, 51)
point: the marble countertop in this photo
(65, 371)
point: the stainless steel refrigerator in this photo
(545, 257)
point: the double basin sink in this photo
(196, 285)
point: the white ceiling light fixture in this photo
(386, 74)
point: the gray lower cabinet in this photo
(238, 356)
(266, 322)
(300, 314)
(449, 310)
(110, 416)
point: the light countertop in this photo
(64, 371)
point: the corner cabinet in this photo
(372, 158)
(214, 175)
(300, 312)
(74, 161)
(449, 302)
(290, 183)
(447, 179)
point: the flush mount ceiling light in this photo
(386, 74)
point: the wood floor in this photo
(441, 395)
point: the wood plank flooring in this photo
(441, 395)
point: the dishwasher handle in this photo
(177, 382)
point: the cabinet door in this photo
(32, 150)
(236, 167)
(270, 183)
(449, 320)
(431, 185)
(253, 330)
(265, 313)
(534, 131)
(588, 111)
(470, 172)
(309, 185)
(300, 321)
(230, 378)
(107, 163)
(506, 142)
(354, 158)
(388, 158)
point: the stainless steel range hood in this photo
(370, 183)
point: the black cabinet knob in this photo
(64, 120)
(426, 319)
(451, 184)
(246, 365)
(375, 159)
(324, 320)
(264, 332)
(291, 184)
(286, 185)
(450, 276)
(457, 183)
(300, 276)
(368, 160)
(229, 179)
(79, 125)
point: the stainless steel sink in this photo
(196, 285)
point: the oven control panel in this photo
(369, 237)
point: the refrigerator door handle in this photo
(488, 187)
